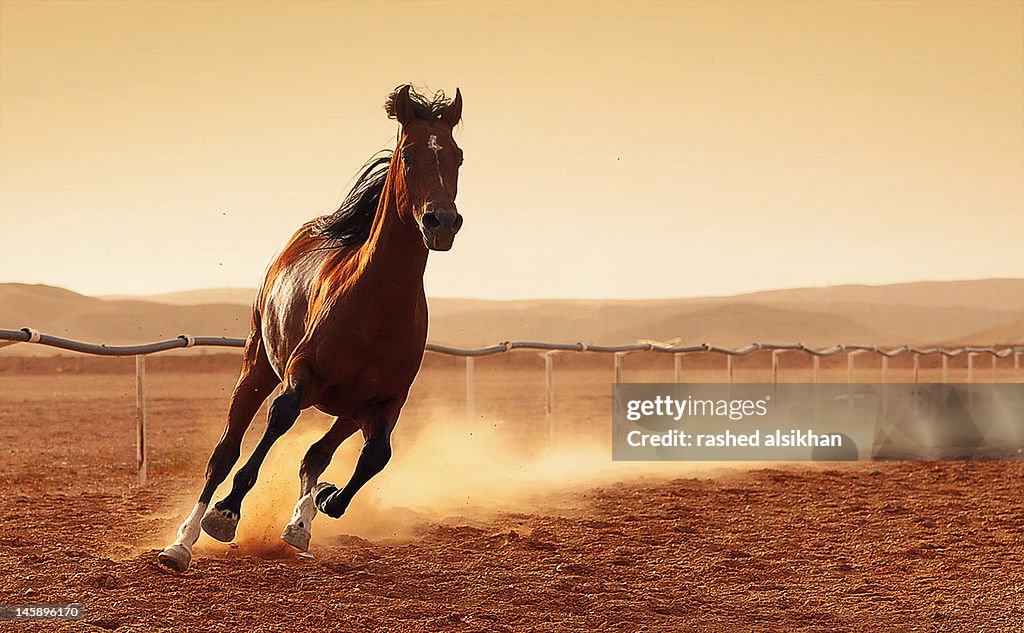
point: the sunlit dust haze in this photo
(613, 149)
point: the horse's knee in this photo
(320, 452)
(225, 454)
(314, 463)
(283, 412)
(220, 465)
(377, 452)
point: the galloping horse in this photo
(341, 321)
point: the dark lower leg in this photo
(221, 462)
(319, 455)
(283, 413)
(254, 385)
(375, 455)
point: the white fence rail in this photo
(32, 336)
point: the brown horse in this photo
(341, 321)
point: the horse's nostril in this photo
(458, 222)
(430, 221)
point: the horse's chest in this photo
(389, 358)
(383, 371)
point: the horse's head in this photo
(427, 163)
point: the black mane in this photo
(428, 108)
(350, 224)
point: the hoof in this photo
(176, 557)
(296, 537)
(220, 524)
(324, 496)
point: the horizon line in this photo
(152, 296)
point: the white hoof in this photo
(220, 524)
(176, 557)
(296, 537)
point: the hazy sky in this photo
(612, 149)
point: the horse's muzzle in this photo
(439, 227)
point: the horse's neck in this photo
(394, 257)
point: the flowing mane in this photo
(350, 224)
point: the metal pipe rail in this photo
(32, 336)
(29, 335)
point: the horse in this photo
(340, 323)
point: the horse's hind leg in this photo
(221, 520)
(297, 532)
(378, 424)
(256, 381)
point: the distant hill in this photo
(243, 296)
(65, 313)
(975, 312)
(1000, 294)
(1009, 333)
(1007, 294)
(725, 322)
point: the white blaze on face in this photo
(433, 145)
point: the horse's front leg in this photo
(255, 383)
(377, 422)
(221, 520)
(297, 532)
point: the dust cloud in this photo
(442, 469)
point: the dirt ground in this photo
(489, 533)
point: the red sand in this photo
(872, 546)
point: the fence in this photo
(29, 335)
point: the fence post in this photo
(1016, 371)
(728, 367)
(885, 384)
(816, 364)
(945, 369)
(140, 417)
(618, 366)
(470, 392)
(970, 367)
(677, 365)
(775, 371)
(549, 400)
(917, 368)
(994, 359)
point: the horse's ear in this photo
(453, 113)
(403, 106)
